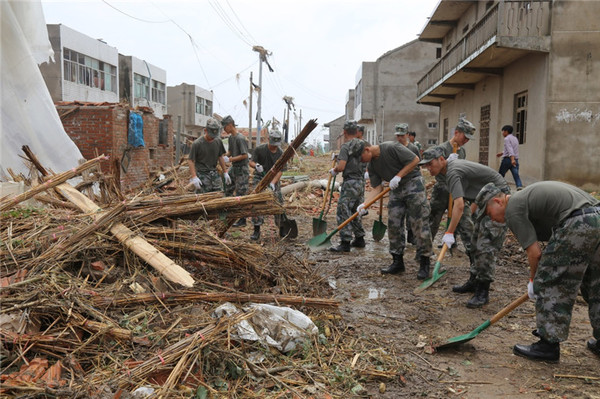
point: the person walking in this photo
(510, 156)
(567, 218)
(464, 179)
(352, 189)
(238, 156)
(396, 164)
(206, 152)
(263, 159)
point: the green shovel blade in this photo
(321, 241)
(435, 276)
(461, 339)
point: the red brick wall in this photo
(102, 129)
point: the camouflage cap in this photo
(227, 120)
(431, 153)
(466, 127)
(401, 129)
(356, 147)
(275, 137)
(350, 125)
(488, 192)
(212, 127)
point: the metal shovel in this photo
(436, 275)
(379, 227)
(322, 240)
(319, 225)
(461, 339)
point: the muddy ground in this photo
(384, 309)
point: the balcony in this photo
(508, 31)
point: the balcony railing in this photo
(508, 18)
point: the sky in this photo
(316, 46)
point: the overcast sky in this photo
(317, 45)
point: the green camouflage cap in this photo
(488, 192)
(431, 153)
(401, 129)
(213, 127)
(356, 147)
(275, 137)
(351, 126)
(466, 127)
(227, 120)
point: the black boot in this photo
(241, 222)
(358, 242)
(482, 295)
(343, 247)
(541, 350)
(593, 345)
(256, 235)
(396, 267)
(424, 269)
(469, 286)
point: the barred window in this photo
(520, 118)
(82, 69)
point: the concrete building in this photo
(385, 94)
(335, 136)
(194, 104)
(142, 84)
(85, 69)
(531, 64)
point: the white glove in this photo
(452, 157)
(258, 167)
(332, 156)
(361, 210)
(333, 172)
(340, 189)
(395, 182)
(530, 290)
(448, 239)
(272, 186)
(227, 178)
(196, 182)
(226, 158)
(367, 175)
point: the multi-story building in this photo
(530, 64)
(193, 104)
(85, 69)
(385, 94)
(143, 84)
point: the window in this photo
(438, 53)
(520, 116)
(88, 71)
(446, 133)
(432, 142)
(141, 86)
(158, 92)
(203, 106)
(432, 125)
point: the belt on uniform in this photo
(584, 211)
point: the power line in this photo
(241, 23)
(228, 22)
(131, 16)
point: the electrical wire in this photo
(131, 16)
(228, 22)
(241, 23)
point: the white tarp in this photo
(28, 115)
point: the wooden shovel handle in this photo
(509, 308)
(367, 205)
(328, 187)
(442, 253)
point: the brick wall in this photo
(102, 129)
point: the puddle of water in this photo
(375, 293)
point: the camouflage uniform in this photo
(259, 220)
(240, 177)
(353, 189)
(211, 181)
(488, 237)
(409, 199)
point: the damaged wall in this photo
(102, 129)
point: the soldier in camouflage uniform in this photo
(412, 137)
(464, 179)
(206, 151)
(238, 156)
(402, 137)
(393, 162)
(352, 190)
(569, 219)
(463, 132)
(263, 159)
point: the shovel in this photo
(461, 339)
(436, 275)
(287, 227)
(322, 240)
(319, 225)
(379, 227)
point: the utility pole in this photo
(250, 113)
(178, 140)
(290, 104)
(262, 57)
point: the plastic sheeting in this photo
(28, 114)
(135, 133)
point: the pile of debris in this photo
(84, 316)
